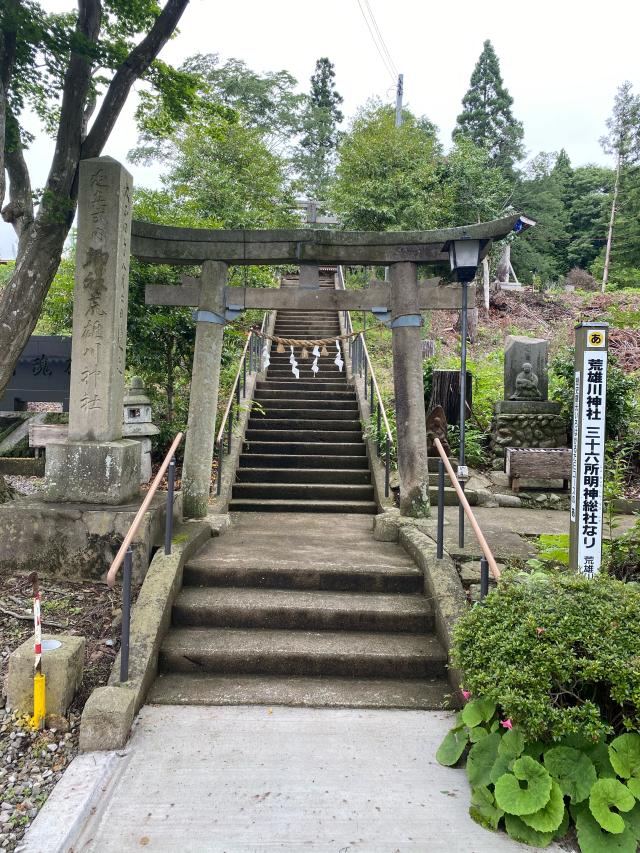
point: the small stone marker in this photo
(62, 665)
(518, 352)
(587, 469)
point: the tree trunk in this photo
(502, 273)
(612, 219)
(445, 392)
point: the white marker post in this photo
(587, 470)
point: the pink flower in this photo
(507, 724)
(467, 695)
(540, 631)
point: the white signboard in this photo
(588, 495)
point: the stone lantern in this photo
(137, 424)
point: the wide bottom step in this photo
(298, 692)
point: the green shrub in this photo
(623, 556)
(558, 653)
(621, 391)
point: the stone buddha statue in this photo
(526, 384)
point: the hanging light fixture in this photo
(464, 257)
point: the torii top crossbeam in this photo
(165, 244)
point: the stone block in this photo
(385, 527)
(93, 472)
(520, 350)
(107, 718)
(61, 666)
(527, 407)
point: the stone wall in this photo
(526, 430)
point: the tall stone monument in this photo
(95, 464)
(526, 417)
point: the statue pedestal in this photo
(526, 423)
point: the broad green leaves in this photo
(483, 808)
(478, 711)
(518, 800)
(481, 759)
(605, 795)
(519, 831)
(573, 769)
(592, 839)
(549, 817)
(452, 748)
(624, 754)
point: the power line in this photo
(385, 62)
(382, 41)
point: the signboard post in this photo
(587, 470)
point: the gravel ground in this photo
(25, 485)
(32, 762)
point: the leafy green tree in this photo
(388, 178)
(267, 103)
(542, 250)
(480, 190)
(67, 67)
(588, 201)
(486, 117)
(316, 155)
(623, 143)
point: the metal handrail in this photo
(135, 524)
(361, 363)
(238, 391)
(464, 503)
(125, 553)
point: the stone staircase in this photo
(300, 609)
(297, 604)
(304, 450)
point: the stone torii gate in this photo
(403, 298)
(96, 464)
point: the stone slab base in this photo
(77, 541)
(96, 472)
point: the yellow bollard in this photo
(39, 700)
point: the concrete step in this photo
(338, 399)
(318, 404)
(274, 461)
(322, 492)
(316, 386)
(304, 435)
(307, 653)
(329, 373)
(208, 689)
(292, 415)
(292, 505)
(283, 359)
(266, 474)
(308, 448)
(287, 422)
(224, 607)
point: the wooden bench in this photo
(538, 463)
(40, 435)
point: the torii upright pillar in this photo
(203, 397)
(413, 466)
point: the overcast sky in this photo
(561, 60)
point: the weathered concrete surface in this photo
(77, 541)
(69, 806)
(203, 396)
(263, 779)
(107, 716)
(25, 466)
(97, 472)
(62, 668)
(407, 383)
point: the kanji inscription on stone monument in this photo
(100, 301)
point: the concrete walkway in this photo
(257, 779)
